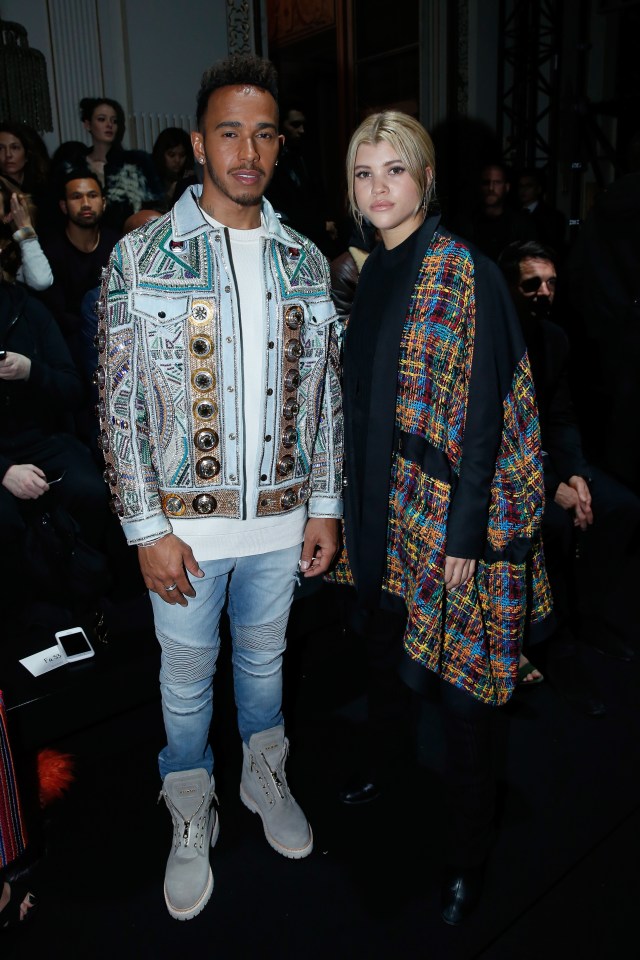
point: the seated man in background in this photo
(579, 496)
(77, 254)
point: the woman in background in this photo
(173, 160)
(444, 496)
(23, 158)
(24, 162)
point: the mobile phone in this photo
(3, 354)
(56, 479)
(74, 644)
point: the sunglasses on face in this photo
(296, 124)
(533, 284)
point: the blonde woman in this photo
(444, 484)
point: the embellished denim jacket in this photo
(170, 377)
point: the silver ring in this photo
(172, 586)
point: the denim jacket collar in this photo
(187, 220)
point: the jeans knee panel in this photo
(263, 638)
(184, 664)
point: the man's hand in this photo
(25, 481)
(165, 564)
(457, 571)
(575, 495)
(320, 546)
(15, 366)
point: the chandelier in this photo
(24, 89)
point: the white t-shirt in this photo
(217, 538)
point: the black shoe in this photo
(359, 791)
(460, 893)
(570, 679)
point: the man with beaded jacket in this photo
(222, 432)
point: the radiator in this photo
(143, 128)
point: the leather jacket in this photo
(170, 376)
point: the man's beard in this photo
(86, 223)
(242, 199)
(534, 308)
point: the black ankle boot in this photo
(461, 891)
(356, 792)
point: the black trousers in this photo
(469, 775)
(394, 688)
(81, 491)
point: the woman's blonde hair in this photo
(413, 144)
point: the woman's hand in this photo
(20, 211)
(457, 571)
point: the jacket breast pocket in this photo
(159, 308)
(162, 318)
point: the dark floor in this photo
(562, 881)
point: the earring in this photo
(276, 163)
(200, 159)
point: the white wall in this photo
(147, 54)
(170, 44)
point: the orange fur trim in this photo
(55, 774)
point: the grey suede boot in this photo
(264, 790)
(188, 881)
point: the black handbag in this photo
(59, 561)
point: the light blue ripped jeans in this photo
(260, 590)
